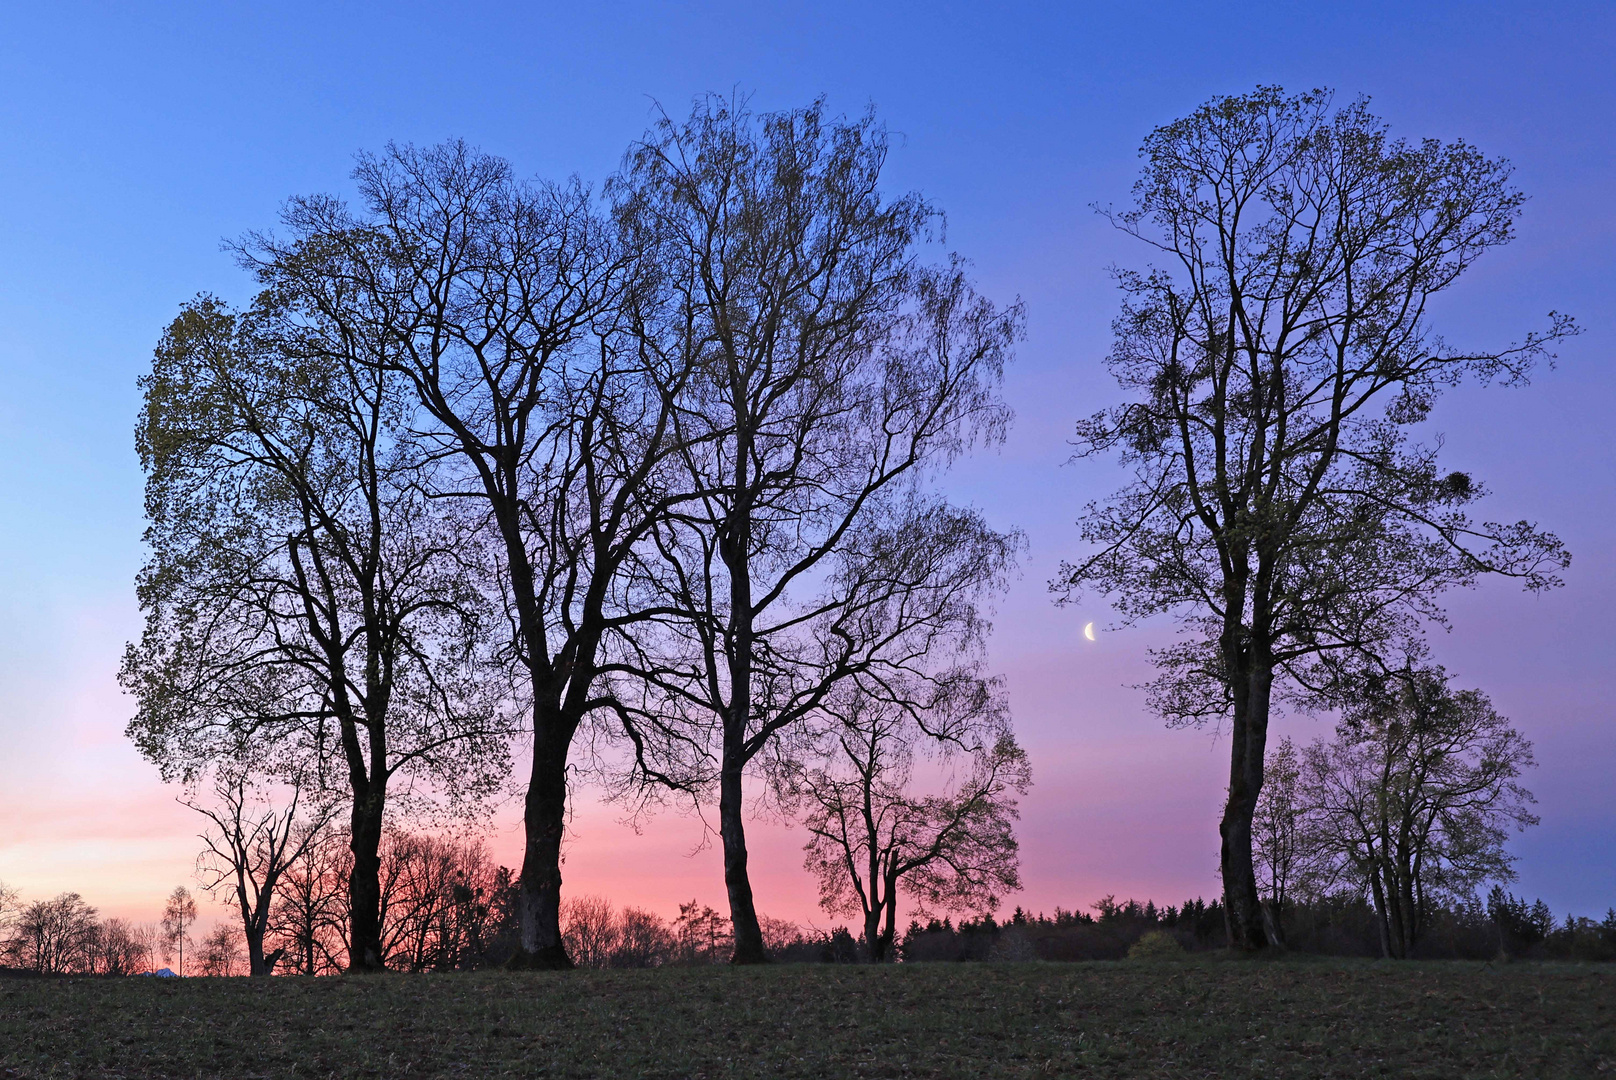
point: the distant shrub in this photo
(1156, 945)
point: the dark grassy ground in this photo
(1194, 1019)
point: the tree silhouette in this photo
(1274, 364)
(178, 915)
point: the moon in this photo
(1088, 631)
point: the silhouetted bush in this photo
(1156, 945)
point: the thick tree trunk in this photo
(544, 819)
(255, 952)
(1396, 921)
(873, 939)
(364, 883)
(880, 938)
(735, 550)
(731, 826)
(1249, 928)
(1409, 910)
(1242, 905)
(258, 964)
(1382, 918)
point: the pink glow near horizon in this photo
(1119, 805)
(92, 817)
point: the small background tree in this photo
(1413, 799)
(590, 929)
(178, 915)
(9, 908)
(1278, 838)
(870, 835)
(250, 846)
(55, 936)
(119, 949)
(221, 951)
(309, 919)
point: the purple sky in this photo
(134, 143)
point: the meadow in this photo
(1201, 1017)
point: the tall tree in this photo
(304, 595)
(511, 299)
(1413, 799)
(1275, 363)
(828, 370)
(870, 833)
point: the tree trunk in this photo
(364, 883)
(1248, 929)
(544, 819)
(735, 549)
(255, 952)
(1382, 916)
(1410, 912)
(742, 912)
(873, 938)
(1396, 921)
(880, 937)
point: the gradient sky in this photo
(134, 142)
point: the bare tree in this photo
(221, 951)
(591, 931)
(643, 940)
(304, 596)
(119, 949)
(55, 936)
(1275, 363)
(435, 893)
(778, 934)
(1279, 843)
(178, 915)
(1413, 799)
(9, 909)
(147, 941)
(826, 371)
(250, 845)
(309, 917)
(870, 834)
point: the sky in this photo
(134, 139)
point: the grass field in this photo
(1290, 1018)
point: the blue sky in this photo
(137, 137)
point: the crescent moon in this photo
(1088, 631)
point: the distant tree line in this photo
(65, 935)
(644, 486)
(474, 924)
(1339, 924)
